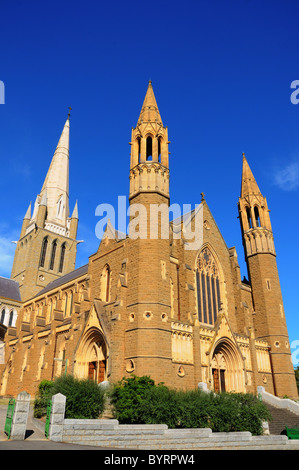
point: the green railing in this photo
(9, 417)
(47, 425)
(292, 433)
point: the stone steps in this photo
(281, 419)
(158, 437)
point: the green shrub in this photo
(249, 414)
(194, 409)
(84, 398)
(139, 400)
(126, 397)
(42, 397)
(159, 406)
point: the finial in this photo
(149, 82)
(68, 116)
(202, 196)
(243, 155)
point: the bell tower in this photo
(260, 256)
(47, 246)
(148, 341)
(149, 172)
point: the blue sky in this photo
(221, 73)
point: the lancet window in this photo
(149, 148)
(43, 252)
(249, 219)
(62, 254)
(257, 217)
(105, 284)
(208, 287)
(53, 253)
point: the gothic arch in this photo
(43, 251)
(92, 355)
(105, 283)
(62, 257)
(227, 367)
(54, 245)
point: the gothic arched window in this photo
(257, 217)
(105, 284)
(149, 148)
(159, 149)
(53, 253)
(65, 299)
(139, 148)
(11, 317)
(249, 220)
(70, 303)
(2, 316)
(43, 252)
(62, 253)
(208, 287)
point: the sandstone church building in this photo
(147, 306)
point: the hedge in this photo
(138, 400)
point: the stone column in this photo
(57, 417)
(19, 421)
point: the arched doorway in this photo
(91, 357)
(227, 368)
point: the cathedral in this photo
(144, 305)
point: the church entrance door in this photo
(219, 380)
(92, 367)
(91, 357)
(227, 368)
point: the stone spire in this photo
(249, 185)
(56, 184)
(28, 213)
(75, 214)
(26, 221)
(48, 236)
(150, 111)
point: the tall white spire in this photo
(56, 184)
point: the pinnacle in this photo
(249, 184)
(75, 211)
(150, 111)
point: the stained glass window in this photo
(208, 287)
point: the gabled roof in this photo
(9, 289)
